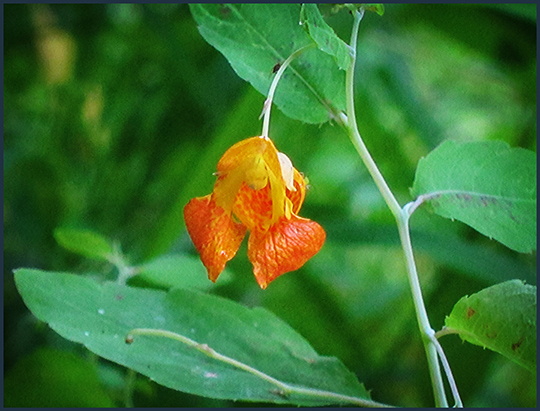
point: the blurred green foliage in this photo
(115, 115)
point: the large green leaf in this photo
(256, 37)
(101, 315)
(487, 185)
(502, 318)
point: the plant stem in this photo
(124, 270)
(445, 331)
(284, 389)
(352, 127)
(421, 314)
(268, 102)
(402, 220)
(446, 366)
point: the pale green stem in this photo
(272, 90)
(448, 371)
(353, 127)
(445, 331)
(421, 314)
(284, 389)
(124, 270)
(402, 220)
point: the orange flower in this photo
(259, 190)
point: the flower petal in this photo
(255, 163)
(297, 196)
(287, 171)
(285, 247)
(215, 235)
(254, 207)
(246, 149)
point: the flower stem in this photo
(433, 349)
(283, 389)
(268, 102)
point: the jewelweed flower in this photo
(259, 190)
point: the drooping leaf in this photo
(324, 35)
(101, 315)
(487, 185)
(502, 318)
(256, 37)
(178, 271)
(84, 242)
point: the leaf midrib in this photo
(434, 194)
(263, 40)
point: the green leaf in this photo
(502, 318)
(487, 185)
(324, 35)
(178, 271)
(375, 7)
(101, 315)
(256, 37)
(84, 242)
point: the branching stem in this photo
(432, 347)
(421, 313)
(124, 270)
(448, 371)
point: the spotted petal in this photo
(216, 237)
(285, 247)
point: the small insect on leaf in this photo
(276, 67)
